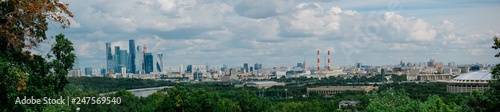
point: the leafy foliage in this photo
(22, 73)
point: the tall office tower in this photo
(110, 63)
(207, 67)
(103, 72)
(117, 60)
(358, 65)
(245, 67)
(181, 70)
(144, 51)
(304, 65)
(189, 69)
(260, 66)
(123, 58)
(256, 66)
(131, 47)
(148, 63)
(139, 60)
(159, 62)
(401, 63)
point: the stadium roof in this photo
(479, 75)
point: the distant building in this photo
(148, 62)
(88, 71)
(469, 82)
(159, 62)
(123, 55)
(139, 60)
(103, 72)
(245, 66)
(434, 77)
(198, 75)
(299, 65)
(132, 55)
(261, 84)
(110, 62)
(345, 103)
(331, 90)
(189, 69)
(224, 68)
(359, 65)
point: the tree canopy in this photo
(23, 73)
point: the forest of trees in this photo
(192, 97)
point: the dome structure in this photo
(469, 82)
(479, 76)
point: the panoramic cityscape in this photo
(249, 56)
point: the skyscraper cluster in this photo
(136, 60)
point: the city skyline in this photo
(284, 33)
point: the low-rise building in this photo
(261, 84)
(434, 77)
(331, 90)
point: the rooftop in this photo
(479, 75)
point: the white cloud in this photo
(475, 52)
(234, 32)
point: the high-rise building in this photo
(148, 63)
(110, 63)
(245, 67)
(256, 66)
(131, 65)
(103, 72)
(139, 60)
(401, 63)
(358, 65)
(189, 69)
(144, 51)
(88, 71)
(123, 56)
(117, 60)
(159, 62)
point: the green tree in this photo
(393, 101)
(22, 27)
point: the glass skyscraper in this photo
(110, 62)
(159, 63)
(139, 60)
(131, 68)
(148, 61)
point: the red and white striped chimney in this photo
(329, 61)
(318, 62)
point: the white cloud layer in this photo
(273, 32)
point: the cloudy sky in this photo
(283, 33)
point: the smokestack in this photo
(318, 62)
(329, 61)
